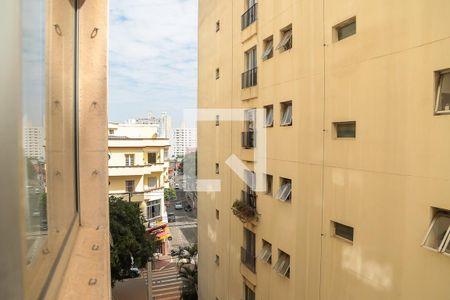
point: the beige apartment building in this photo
(139, 171)
(357, 102)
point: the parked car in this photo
(134, 272)
(171, 217)
(178, 205)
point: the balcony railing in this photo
(249, 16)
(249, 197)
(248, 139)
(245, 208)
(249, 78)
(248, 259)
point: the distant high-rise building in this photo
(34, 144)
(184, 140)
(165, 125)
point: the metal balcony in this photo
(248, 259)
(249, 197)
(248, 139)
(249, 78)
(249, 16)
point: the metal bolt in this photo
(92, 281)
(95, 247)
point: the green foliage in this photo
(129, 238)
(188, 271)
(169, 194)
(244, 211)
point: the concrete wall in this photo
(383, 183)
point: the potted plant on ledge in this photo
(244, 211)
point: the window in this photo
(269, 184)
(217, 168)
(111, 131)
(217, 25)
(250, 179)
(283, 265)
(286, 39)
(249, 77)
(129, 186)
(266, 252)
(345, 129)
(268, 48)
(153, 209)
(284, 193)
(152, 182)
(345, 29)
(343, 231)
(249, 119)
(152, 157)
(286, 113)
(129, 160)
(248, 251)
(217, 120)
(443, 93)
(217, 260)
(268, 121)
(249, 17)
(249, 293)
(217, 214)
(250, 59)
(437, 237)
(217, 73)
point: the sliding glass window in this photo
(48, 135)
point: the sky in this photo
(152, 58)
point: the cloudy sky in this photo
(153, 58)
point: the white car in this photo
(178, 205)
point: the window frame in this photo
(268, 48)
(265, 254)
(127, 185)
(283, 257)
(439, 78)
(284, 187)
(335, 234)
(269, 187)
(445, 239)
(148, 157)
(286, 39)
(340, 123)
(129, 160)
(286, 106)
(268, 111)
(337, 29)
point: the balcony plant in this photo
(244, 211)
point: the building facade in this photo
(184, 140)
(356, 104)
(139, 170)
(34, 142)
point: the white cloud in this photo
(153, 57)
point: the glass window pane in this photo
(438, 230)
(346, 30)
(48, 136)
(444, 93)
(345, 129)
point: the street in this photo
(184, 229)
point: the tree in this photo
(188, 271)
(130, 241)
(169, 194)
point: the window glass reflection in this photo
(48, 122)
